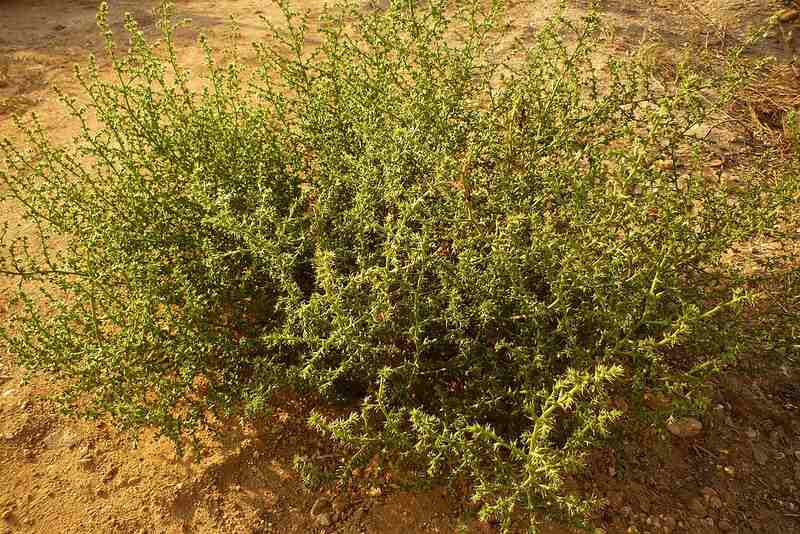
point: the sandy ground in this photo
(60, 475)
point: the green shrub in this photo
(481, 249)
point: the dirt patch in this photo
(741, 474)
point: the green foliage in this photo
(480, 247)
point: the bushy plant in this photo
(483, 248)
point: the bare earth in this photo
(59, 475)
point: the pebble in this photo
(665, 164)
(751, 433)
(109, 476)
(61, 439)
(6, 515)
(685, 427)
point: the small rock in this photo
(724, 525)
(670, 522)
(6, 515)
(59, 27)
(788, 15)
(751, 433)
(665, 164)
(61, 439)
(9, 392)
(797, 455)
(109, 476)
(321, 506)
(375, 492)
(780, 455)
(323, 520)
(685, 427)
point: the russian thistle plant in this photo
(483, 247)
